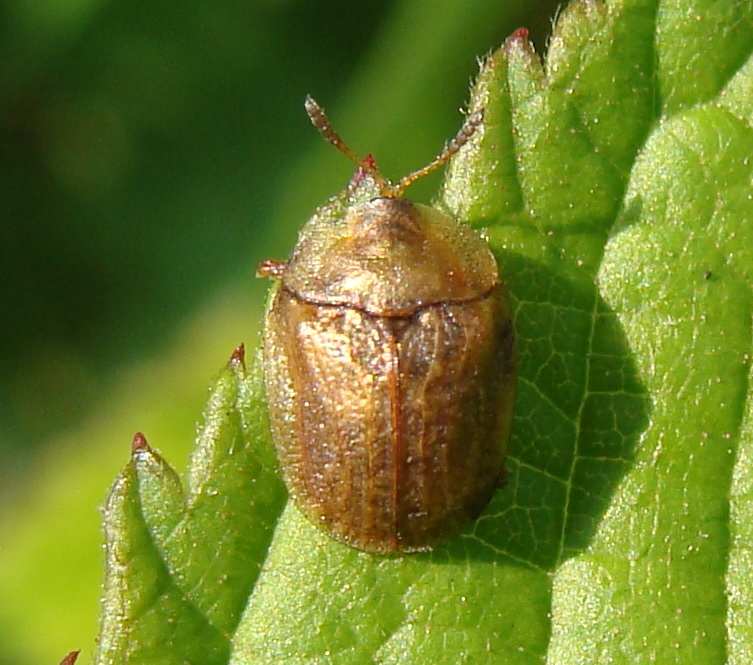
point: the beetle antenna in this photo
(471, 124)
(319, 119)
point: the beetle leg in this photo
(504, 476)
(271, 268)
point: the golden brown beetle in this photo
(389, 364)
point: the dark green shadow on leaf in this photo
(579, 413)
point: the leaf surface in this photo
(613, 181)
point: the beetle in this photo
(389, 363)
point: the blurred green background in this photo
(152, 154)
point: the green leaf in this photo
(180, 568)
(614, 184)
